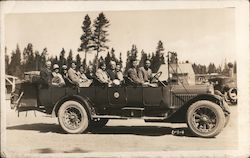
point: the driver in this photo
(133, 74)
(145, 72)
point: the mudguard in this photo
(210, 97)
(85, 101)
(180, 115)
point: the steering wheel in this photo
(157, 76)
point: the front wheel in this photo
(73, 117)
(205, 119)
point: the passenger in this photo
(113, 74)
(112, 71)
(145, 72)
(90, 72)
(57, 79)
(102, 75)
(84, 81)
(132, 73)
(65, 71)
(65, 75)
(73, 76)
(46, 75)
(119, 72)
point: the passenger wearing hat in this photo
(65, 75)
(57, 79)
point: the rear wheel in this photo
(73, 117)
(205, 119)
(232, 94)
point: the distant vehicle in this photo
(82, 109)
(225, 87)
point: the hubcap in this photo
(204, 119)
(72, 118)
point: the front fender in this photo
(210, 97)
(180, 115)
(85, 101)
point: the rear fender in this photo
(85, 101)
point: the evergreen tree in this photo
(43, 58)
(7, 60)
(143, 58)
(100, 34)
(15, 63)
(173, 58)
(37, 60)
(78, 61)
(86, 38)
(107, 60)
(54, 60)
(211, 68)
(113, 57)
(28, 58)
(120, 59)
(131, 55)
(158, 58)
(218, 70)
(62, 59)
(194, 66)
(69, 58)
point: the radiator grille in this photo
(180, 99)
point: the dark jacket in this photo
(46, 77)
(112, 74)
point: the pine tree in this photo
(107, 60)
(113, 57)
(100, 34)
(158, 58)
(7, 60)
(15, 63)
(86, 38)
(43, 58)
(78, 61)
(211, 68)
(120, 59)
(54, 60)
(29, 58)
(131, 55)
(143, 58)
(69, 58)
(62, 59)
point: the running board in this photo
(122, 117)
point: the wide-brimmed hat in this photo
(55, 66)
(64, 67)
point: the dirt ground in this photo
(42, 134)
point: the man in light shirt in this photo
(102, 75)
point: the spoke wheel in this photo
(232, 94)
(73, 117)
(205, 119)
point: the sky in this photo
(197, 35)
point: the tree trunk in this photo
(97, 61)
